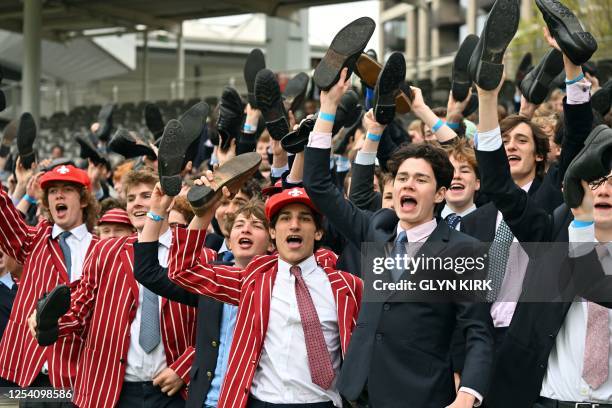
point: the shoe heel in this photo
(384, 114)
(489, 75)
(198, 197)
(171, 185)
(278, 128)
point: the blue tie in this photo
(399, 248)
(228, 256)
(66, 251)
(149, 321)
(452, 220)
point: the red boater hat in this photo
(117, 216)
(66, 173)
(286, 197)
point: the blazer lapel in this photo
(263, 282)
(127, 264)
(57, 257)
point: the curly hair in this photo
(90, 212)
(432, 154)
(540, 140)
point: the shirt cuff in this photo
(476, 395)
(488, 141)
(365, 158)
(320, 140)
(578, 93)
(581, 239)
(277, 172)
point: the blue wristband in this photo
(248, 128)
(155, 217)
(373, 137)
(437, 126)
(581, 224)
(573, 81)
(30, 199)
(327, 116)
(452, 125)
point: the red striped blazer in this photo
(251, 290)
(21, 358)
(103, 306)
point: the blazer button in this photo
(387, 306)
(209, 374)
(214, 343)
(253, 361)
(121, 361)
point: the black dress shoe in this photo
(536, 84)
(295, 91)
(49, 309)
(524, 67)
(129, 146)
(270, 102)
(387, 87)
(154, 120)
(88, 150)
(105, 120)
(461, 77)
(232, 174)
(601, 100)
(486, 67)
(26, 135)
(591, 163)
(171, 157)
(564, 26)
(8, 137)
(344, 50)
(349, 132)
(347, 112)
(295, 141)
(255, 62)
(471, 106)
(193, 121)
(231, 117)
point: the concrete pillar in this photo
(423, 50)
(180, 63)
(287, 46)
(526, 10)
(435, 38)
(145, 66)
(381, 33)
(411, 42)
(471, 14)
(32, 23)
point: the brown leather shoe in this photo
(232, 174)
(368, 70)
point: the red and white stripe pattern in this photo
(251, 290)
(103, 306)
(21, 358)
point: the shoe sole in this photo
(269, 101)
(461, 77)
(193, 121)
(255, 62)
(296, 90)
(602, 99)
(26, 135)
(171, 156)
(344, 51)
(368, 70)
(154, 120)
(48, 311)
(387, 88)
(471, 107)
(346, 111)
(294, 142)
(124, 144)
(105, 118)
(523, 68)
(562, 16)
(231, 174)
(540, 78)
(503, 20)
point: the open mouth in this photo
(408, 203)
(513, 159)
(245, 243)
(457, 187)
(139, 214)
(61, 209)
(294, 241)
(603, 206)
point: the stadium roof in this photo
(67, 19)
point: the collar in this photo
(79, 232)
(307, 266)
(420, 232)
(527, 186)
(7, 280)
(446, 211)
(165, 239)
(224, 247)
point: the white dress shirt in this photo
(563, 380)
(283, 374)
(7, 280)
(140, 365)
(78, 241)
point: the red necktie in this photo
(319, 360)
